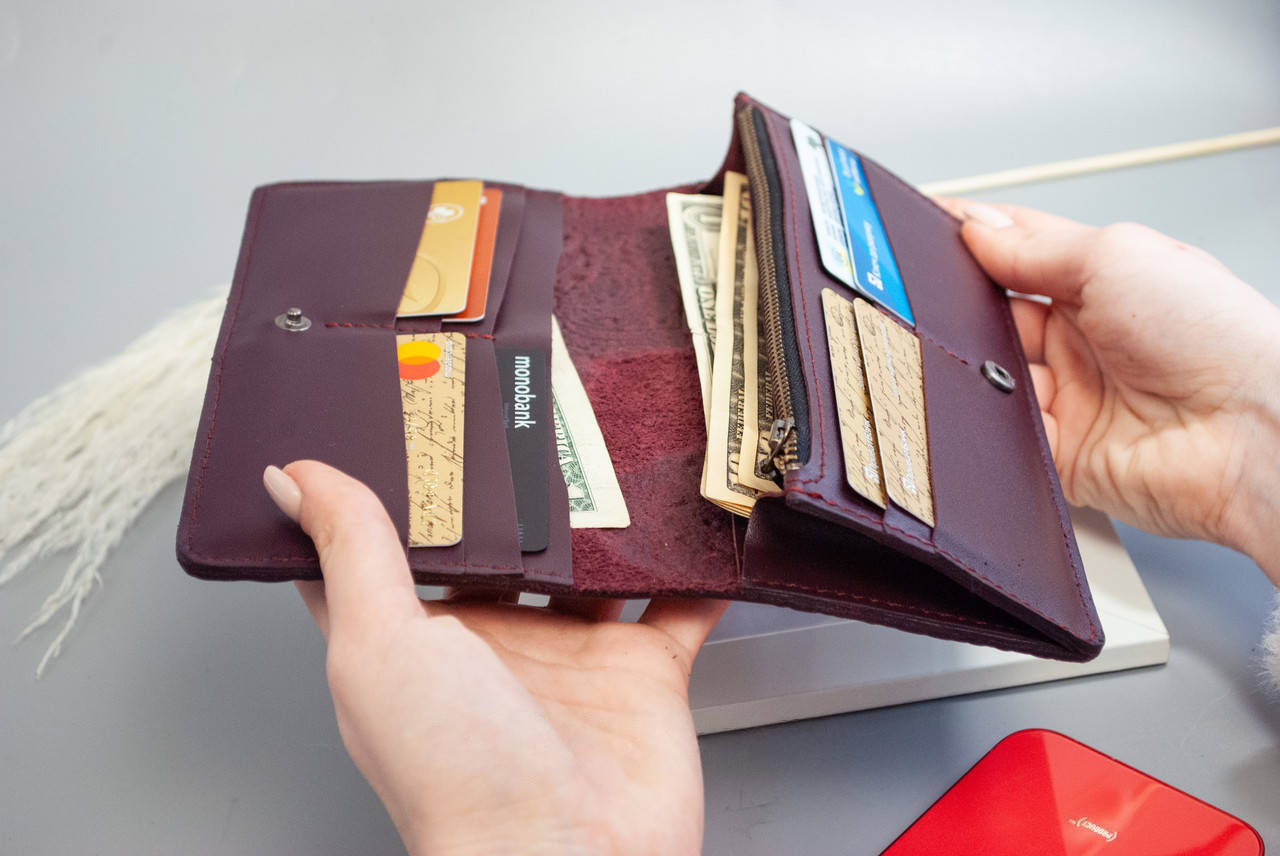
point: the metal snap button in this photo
(293, 321)
(999, 376)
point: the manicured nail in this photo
(283, 490)
(987, 216)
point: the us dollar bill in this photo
(695, 220)
(721, 482)
(595, 499)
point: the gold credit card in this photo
(853, 400)
(432, 397)
(895, 377)
(441, 271)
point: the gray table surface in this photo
(193, 717)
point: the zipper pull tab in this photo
(778, 435)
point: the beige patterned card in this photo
(895, 376)
(853, 400)
(432, 398)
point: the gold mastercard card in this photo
(895, 379)
(433, 375)
(441, 270)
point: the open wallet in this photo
(998, 566)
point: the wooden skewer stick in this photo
(1100, 163)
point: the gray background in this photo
(193, 717)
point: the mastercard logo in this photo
(418, 360)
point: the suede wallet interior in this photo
(999, 568)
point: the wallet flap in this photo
(1001, 529)
(340, 252)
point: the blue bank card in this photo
(875, 272)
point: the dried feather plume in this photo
(79, 465)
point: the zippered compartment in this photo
(789, 443)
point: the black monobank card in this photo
(522, 374)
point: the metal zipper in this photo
(790, 432)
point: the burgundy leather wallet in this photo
(999, 568)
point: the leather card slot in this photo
(489, 542)
(510, 221)
(525, 322)
(1001, 520)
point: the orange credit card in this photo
(441, 271)
(482, 259)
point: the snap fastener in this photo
(999, 376)
(293, 321)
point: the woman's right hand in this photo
(1157, 371)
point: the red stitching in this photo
(915, 610)
(313, 558)
(944, 348)
(217, 394)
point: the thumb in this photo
(1029, 251)
(366, 575)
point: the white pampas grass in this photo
(78, 465)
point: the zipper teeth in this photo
(779, 383)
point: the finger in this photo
(688, 621)
(1051, 433)
(590, 608)
(998, 214)
(312, 592)
(1030, 251)
(953, 204)
(366, 575)
(1030, 318)
(1045, 384)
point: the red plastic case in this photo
(1040, 792)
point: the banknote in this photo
(595, 500)
(694, 221)
(736, 276)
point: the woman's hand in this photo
(487, 727)
(1157, 371)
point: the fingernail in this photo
(283, 490)
(987, 216)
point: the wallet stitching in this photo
(222, 356)
(944, 348)
(861, 598)
(862, 515)
(313, 558)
